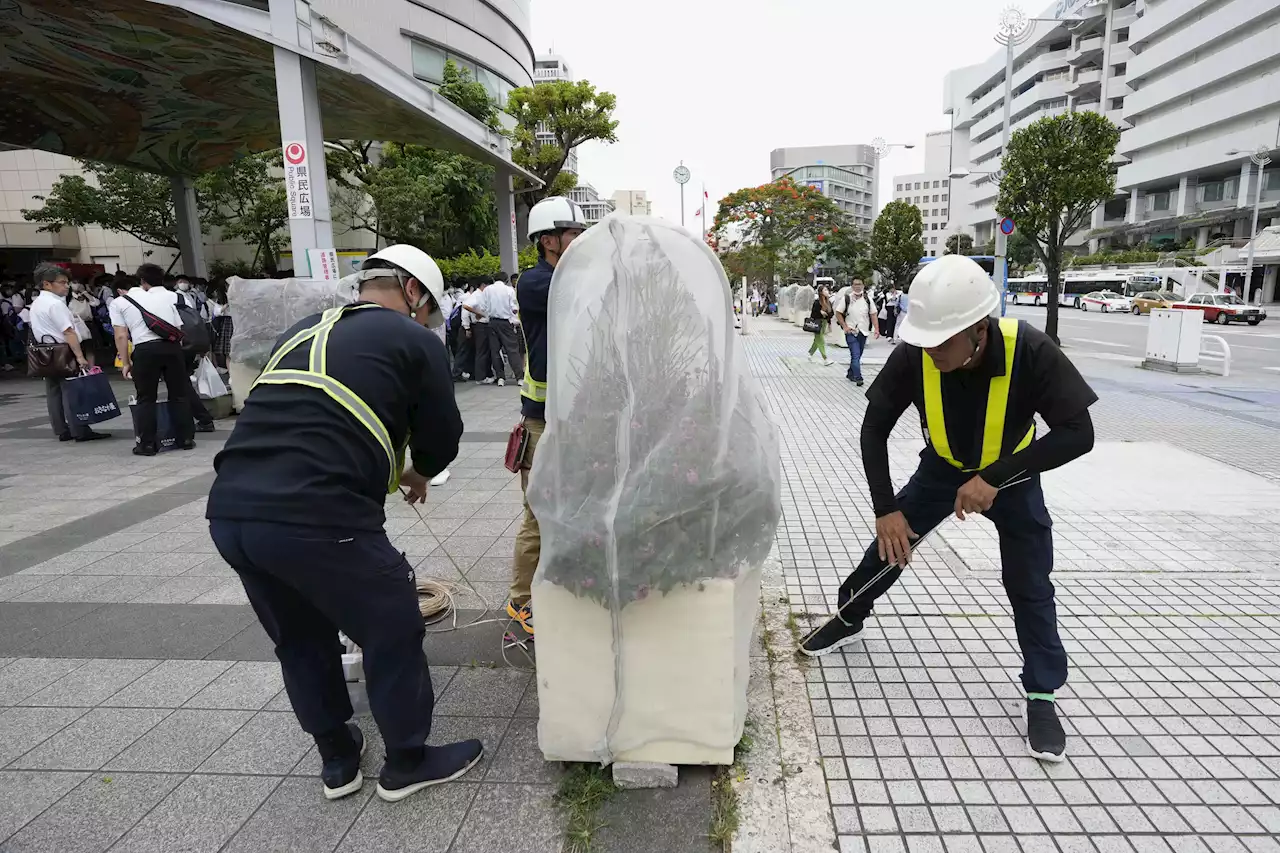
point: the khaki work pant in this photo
(529, 539)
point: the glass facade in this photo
(428, 65)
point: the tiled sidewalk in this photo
(1168, 602)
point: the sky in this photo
(721, 83)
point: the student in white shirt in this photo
(52, 321)
(857, 317)
(500, 306)
(464, 366)
(153, 358)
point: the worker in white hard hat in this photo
(297, 511)
(978, 383)
(554, 223)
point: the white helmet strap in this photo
(400, 276)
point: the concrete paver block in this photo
(645, 774)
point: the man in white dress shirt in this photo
(52, 322)
(500, 306)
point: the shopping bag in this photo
(811, 324)
(207, 381)
(166, 428)
(91, 398)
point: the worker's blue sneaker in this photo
(1046, 739)
(341, 755)
(439, 764)
(835, 634)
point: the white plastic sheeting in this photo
(658, 491)
(263, 309)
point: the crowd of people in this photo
(106, 321)
(483, 330)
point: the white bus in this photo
(1033, 289)
(1028, 290)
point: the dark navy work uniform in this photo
(980, 422)
(297, 511)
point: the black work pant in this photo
(502, 339)
(887, 326)
(465, 360)
(198, 410)
(308, 583)
(1026, 556)
(480, 334)
(151, 361)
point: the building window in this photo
(935, 195)
(1122, 35)
(1159, 201)
(917, 185)
(944, 196)
(933, 226)
(899, 188)
(1273, 181)
(931, 252)
(1213, 191)
(935, 186)
(428, 64)
(933, 241)
(1117, 103)
(945, 183)
(1119, 69)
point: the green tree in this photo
(551, 120)
(437, 200)
(897, 243)
(248, 202)
(848, 247)
(780, 227)
(116, 198)
(959, 244)
(1056, 171)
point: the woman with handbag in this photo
(55, 352)
(819, 315)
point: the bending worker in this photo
(554, 223)
(297, 511)
(978, 382)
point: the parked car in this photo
(1224, 308)
(1105, 300)
(1145, 303)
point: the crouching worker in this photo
(978, 382)
(297, 511)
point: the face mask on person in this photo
(184, 286)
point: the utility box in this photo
(1173, 340)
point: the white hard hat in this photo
(948, 296)
(554, 213)
(417, 264)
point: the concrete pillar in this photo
(1187, 188)
(190, 240)
(1270, 273)
(300, 121)
(1246, 179)
(506, 202)
(1133, 214)
(1240, 229)
(1202, 236)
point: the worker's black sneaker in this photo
(831, 636)
(341, 755)
(209, 427)
(439, 764)
(92, 436)
(1045, 737)
(189, 444)
(144, 450)
(522, 614)
(66, 436)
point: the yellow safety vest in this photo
(533, 389)
(997, 406)
(317, 377)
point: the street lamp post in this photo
(1261, 157)
(682, 176)
(1014, 29)
(880, 149)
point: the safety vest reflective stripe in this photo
(339, 393)
(533, 389)
(997, 406)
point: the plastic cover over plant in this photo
(263, 309)
(659, 467)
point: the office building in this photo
(404, 37)
(930, 191)
(846, 174)
(594, 208)
(1192, 87)
(634, 202)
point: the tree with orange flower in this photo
(783, 224)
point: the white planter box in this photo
(684, 661)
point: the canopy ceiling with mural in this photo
(154, 87)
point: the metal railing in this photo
(1219, 361)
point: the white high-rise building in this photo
(588, 198)
(930, 191)
(1192, 85)
(846, 174)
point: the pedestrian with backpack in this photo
(858, 319)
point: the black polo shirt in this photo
(1044, 383)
